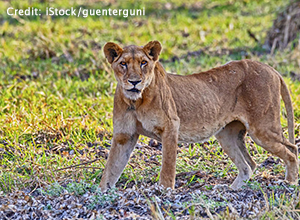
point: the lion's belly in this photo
(199, 134)
(186, 134)
(192, 129)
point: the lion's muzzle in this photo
(134, 82)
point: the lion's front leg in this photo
(121, 149)
(169, 153)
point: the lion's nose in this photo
(134, 82)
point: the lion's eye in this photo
(143, 63)
(123, 63)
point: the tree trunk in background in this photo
(286, 28)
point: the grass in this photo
(56, 89)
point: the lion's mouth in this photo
(134, 90)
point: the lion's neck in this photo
(157, 81)
(159, 70)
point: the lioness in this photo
(227, 101)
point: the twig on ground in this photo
(192, 173)
(78, 165)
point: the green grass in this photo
(56, 89)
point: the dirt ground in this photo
(211, 198)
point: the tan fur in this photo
(227, 101)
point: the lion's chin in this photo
(133, 94)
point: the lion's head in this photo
(133, 66)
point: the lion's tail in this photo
(289, 110)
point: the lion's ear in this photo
(153, 49)
(112, 51)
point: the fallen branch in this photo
(192, 173)
(78, 165)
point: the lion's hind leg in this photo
(231, 139)
(242, 145)
(274, 142)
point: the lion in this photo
(228, 101)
